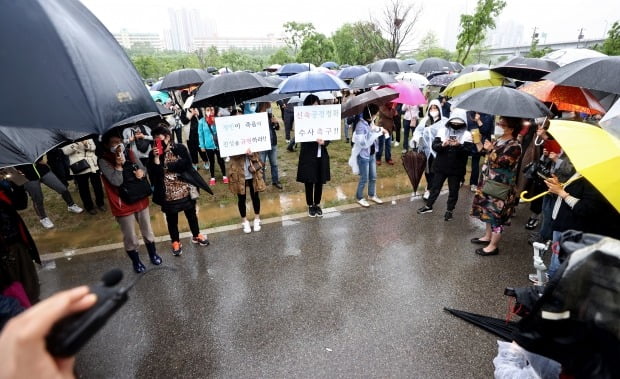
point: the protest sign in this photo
(237, 134)
(317, 121)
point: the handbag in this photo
(255, 166)
(80, 166)
(133, 189)
(142, 144)
(496, 189)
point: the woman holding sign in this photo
(246, 171)
(313, 168)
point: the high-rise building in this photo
(185, 26)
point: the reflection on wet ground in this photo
(215, 213)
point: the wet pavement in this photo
(358, 293)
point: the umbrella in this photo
(457, 66)
(570, 99)
(292, 69)
(418, 80)
(184, 78)
(62, 49)
(501, 328)
(311, 81)
(526, 69)
(475, 79)
(408, 93)
(357, 103)
(229, 89)
(270, 97)
(27, 145)
(410, 61)
(372, 79)
(272, 79)
(433, 64)
(224, 70)
(597, 160)
(611, 121)
(414, 163)
(345, 65)
(390, 65)
(442, 80)
(330, 65)
(565, 56)
(502, 101)
(163, 110)
(593, 73)
(474, 67)
(352, 72)
(156, 86)
(160, 96)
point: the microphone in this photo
(112, 277)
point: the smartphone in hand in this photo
(159, 147)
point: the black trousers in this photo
(314, 192)
(194, 150)
(475, 169)
(253, 195)
(288, 125)
(454, 182)
(82, 183)
(212, 156)
(172, 218)
(177, 134)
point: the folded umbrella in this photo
(414, 163)
(372, 79)
(475, 79)
(501, 101)
(599, 74)
(184, 78)
(231, 89)
(570, 99)
(311, 81)
(526, 69)
(501, 328)
(357, 103)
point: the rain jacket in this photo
(363, 139)
(426, 131)
(205, 136)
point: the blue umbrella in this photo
(292, 69)
(160, 96)
(352, 72)
(410, 61)
(311, 81)
(330, 65)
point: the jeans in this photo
(273, 162)
(346, 130)
(387, 143)
(368, 174)
(555, 259)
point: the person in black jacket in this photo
(485, 123)
(272, 154)
(192, 116)
(170, 192)
(452, 145)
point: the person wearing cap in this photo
(452, 144)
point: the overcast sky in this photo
(559, 19)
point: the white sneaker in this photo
(363, 203)
(427, 193)
(376, 199)
(246, 227)
(257, 226)
(75, 208)
(47, 223)
(473, 188)
(396, 144)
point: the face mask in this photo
(433, 114)
(210, 119)
(252, 107)
(113, 148)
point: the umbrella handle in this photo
(527, 200)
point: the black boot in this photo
(155, 259)
(138, 267)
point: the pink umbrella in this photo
(409, 93)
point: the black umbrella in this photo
(372, 79)
(526, 69)
(357, 104)
(501, 328)
(457, 66)
(62, 69)
(428, 65)
(600, 74)
(292, 69)
(501, 101)
(352, 72)
(184, 78)
(163, 110)
(271, 97)
(414, 163)
(390, 65)
(474, 67)
(442, 80)
(232, 89)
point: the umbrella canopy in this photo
(163, 110)
(224, 70)
(273, 68)
(390, 65)
(611, 121)
(311, 81)
(292, 69)
(184, 78)
(156, 86)
(457, 66)
(372, 79)
(526, 69)
(330, 65)
(597, 160)
(501, 101)
(270, 97)
(501, 328)
(565, 56)
(160, 96)
(474, 67)
(475, 79)
(442, 80)
(428, 65)
(357, 103)
(232, 89)
(62, 49)
(352, 72)
(408, 93)
(570, 99)
(593, 73)
(272, 79)
(416, 79)
(414, 163)
(27, 145)
(410, 61)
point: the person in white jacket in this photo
(423, 137)
(89, 172)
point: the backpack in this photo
(133, 189)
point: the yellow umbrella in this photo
(476, 79)
(595, 154)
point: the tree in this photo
(535, 52)
(474, 27)
(611, 46)
(280, 57)
(352, 47)
(316, 49)
(296, 33)
(370, 41)
(395, 23)
(429, 47)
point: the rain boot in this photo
(150, 247)
(138, 267)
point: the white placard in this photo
(317, 121)
(237, 134)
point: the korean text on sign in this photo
(317, 122)
(237, 134)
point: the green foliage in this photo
(296, 33)
(281, 56)
(535, 52)
(371, 41)
(479, 54)
(316, 49)
(352, 46)
(474, 27)
(429, 48)
(611, 46)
